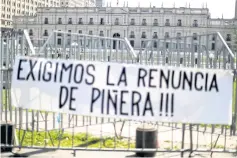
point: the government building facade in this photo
(135, 23)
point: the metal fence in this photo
(41, 129)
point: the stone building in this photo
(135, 23)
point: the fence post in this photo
(234, 121)
(183, 136)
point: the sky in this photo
(216, 7)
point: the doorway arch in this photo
(115, 42)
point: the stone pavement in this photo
(101, 154)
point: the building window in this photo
(59, 41)
(179, 22)
(194, 36)
(69, 32)
(132, 22)
(144, 22)
(124, 19)
(195, 48)
(155, 22)
(155, 36)
(167, 22)
(102, 21)
(46, 21)
(101, 33)
(143, 34)
(68, 41)
(91, 21)
(213, 38)
(80, 21)
(228, 37)
(132, 43)
(155, 44)
(167, 45)
(70, 21)
(90, 32)
(143, 44)
(195, 23)
(59, 20)
(31, 32)
(229, 45)
(80, 31)
(167, 35)
(116, 21)
(178, 35)
(102, 42)
(213, 46)
(132, 35)
(59, 34)
(46, 33)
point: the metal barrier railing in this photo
(74, 45)
(193, 51)
(204, 51)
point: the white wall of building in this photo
(119, 20)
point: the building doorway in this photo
(115, 42)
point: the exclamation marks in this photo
(167, 105)
(168, 101)
(161, 104)
(172, 104)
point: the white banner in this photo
(129, 91)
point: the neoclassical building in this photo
(135, 23)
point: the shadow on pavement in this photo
(134, 155)
(89, 143)
(32, 153)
